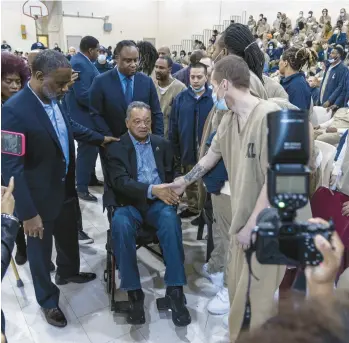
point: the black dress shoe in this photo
(196, 221)
(21, 257)
(187, 214)
(177, 301)
(136, 314)
(87, 196)
(79, 278)
(52, 267)
(96, 183)
(55, 317)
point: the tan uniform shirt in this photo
(245, 156)
(166, 100)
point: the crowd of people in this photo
(163, 126)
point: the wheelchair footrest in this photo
(121, 307)
(163, 304)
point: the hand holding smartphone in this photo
(12, 143)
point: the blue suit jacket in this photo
(77, 99)
(341, 39)
(108, 104)
(41, 182)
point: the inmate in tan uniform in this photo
(245, 156)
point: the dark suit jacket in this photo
(77, 99)
(108, 104)
(120, 171)
(41, 183)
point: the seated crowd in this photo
(161, 123)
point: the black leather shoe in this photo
(52, 267)
(21, 257)
(136, 315)
(196, 221)
(187, 214)
(55, 317)
(87, 196)
(79, 278)
(177, 301)
(96, 183)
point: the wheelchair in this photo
(146, 237)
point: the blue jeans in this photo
(126, 221)
(85, 165)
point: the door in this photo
(42, 39)
(74, 41)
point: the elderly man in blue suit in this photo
(77, 101)
(113, 91)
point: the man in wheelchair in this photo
(136, 168)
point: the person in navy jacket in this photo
(338, 36)
(77, 102)
(333, 82)
(45, 177)
(189, 112)
(294, 82)
(113, 91)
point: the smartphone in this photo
(12, 143)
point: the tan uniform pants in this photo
(192, 192)
(263, 305)
(221, 226)
(330, 138)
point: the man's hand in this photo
(108, 140)
(331, 130)
(345, 209)
(166, 194)
(33, 227)
(244, 238)
(333, 179)
(178, 185)
(332, 108)
(326, 104)
(74, 77)
(7, 199)
(321, 279)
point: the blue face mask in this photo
(198, 90)
(221, 105)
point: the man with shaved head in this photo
(166, 52)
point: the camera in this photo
(278, 239)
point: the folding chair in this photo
(145, 236)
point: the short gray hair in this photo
(136, 105)
(47, 61)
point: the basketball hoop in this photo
(35, 9)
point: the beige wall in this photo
(168, 21)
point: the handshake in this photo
(170, 193)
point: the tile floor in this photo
(87, 306)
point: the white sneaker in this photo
(216, 278)
(220, 303)
(226, 322)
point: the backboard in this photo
(35, 9)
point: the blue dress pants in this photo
(39, 251)
(125, 223)
(85, 165)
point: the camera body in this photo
(278, 238)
